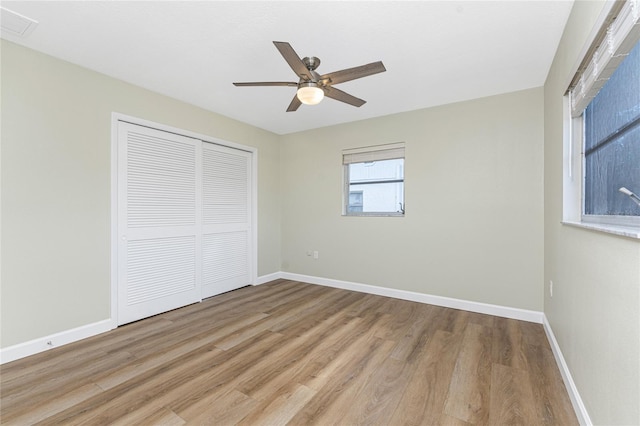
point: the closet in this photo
(184, 220)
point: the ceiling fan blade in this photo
(267, 83)
(295, 104)
(339, 95)
(293, 60)
(353, 73)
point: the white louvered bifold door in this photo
(226, 219)
(159, 217)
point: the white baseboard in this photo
(32, 347)
(572, 390)
(269, 277)
(447, 302)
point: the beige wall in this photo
(56, 159)
(595, 309)
(473, 228)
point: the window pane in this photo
(617, 103)
(612, 142)
(380, 197)
(376, 187)
(615, 165)
(376, 170)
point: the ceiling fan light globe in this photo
(310, 95)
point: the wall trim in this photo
(572, 390)
(41, 344)
(447, 302)
(269, 277)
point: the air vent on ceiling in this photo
(14, 24)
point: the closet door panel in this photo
(161, 180)
(226, 218)
(158, 223)
(161, 275)
(225, 261)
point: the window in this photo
(374, 181)
(612, 142)
(604, 144)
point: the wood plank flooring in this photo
(294, 353)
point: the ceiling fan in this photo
(313, 87)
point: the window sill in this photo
(390, 214)
(624, 231)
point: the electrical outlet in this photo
(315, 254)
(550, 288)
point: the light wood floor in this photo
(287, 352)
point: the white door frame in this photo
(117, 117)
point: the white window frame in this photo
(365, 154)
(604, 33)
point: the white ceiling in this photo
(435, 52)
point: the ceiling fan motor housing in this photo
(311, 62)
